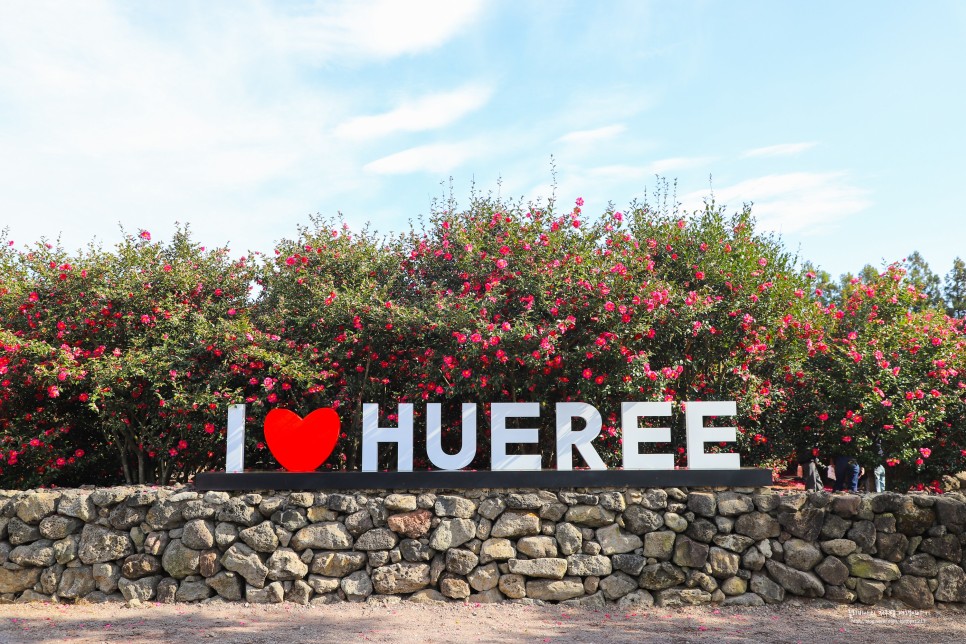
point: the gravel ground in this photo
(408, 622)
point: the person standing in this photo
(847, 472)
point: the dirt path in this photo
(407, 622)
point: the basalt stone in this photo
(678, 597)
(614, 541)
(513, 586)
(57, 527)
(724, 563)
(329, 535)
(732, 504)
(630, 564)
(337, 564)
(864, 566)
(675, 522)
(593, 516)
(261, 537)
(704, 504)
(752, 559)
(555, 589)
(484, 578)
(914, 591)
(34, 506)
(891, 546)
(292, 519)
(412, 524)
(78, 505)
(569, 538)
(65, 550)
(322, 585)
(344, 503)
(945, 547)
(461, 562)
(197, 510)
(537, 547)
(99, 545)
(796, 582)
(164, 515)
(911, 519)
(586, 565)
(377, 539)
(412, 550)
(451, 533)
(19, 533)
(491, 507)
(245, 561)
(757, 525)
(801, 554)
(640, 520)
(198, 534)
(659, 545)
(400, 502)
(846, 505)
(106, 576)
(546, 568)
(838, 547)
(274, 593)
(747, 599)
(734, 542)
(834, 527)
(139, 589)
(140, 565)
(952, 583)
(400, 578)
(690, 553)
(38, 554)
(863, 534)
(179, 560)
(497, 549)
(805, 524)
(455, 506)
(239, 512)
(920, 565)
(359, 522)
(76, 582)
(869, 592)
(285, 565)
(952, 514)
(654, 499)
(660, 576)
(701, 530)
(357, 586)
(767, 589)
(617, 585)
(125, 517)
(208, 562)
(832, 571)
(733, 586)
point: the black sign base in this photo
(745, 477)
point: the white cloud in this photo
(796, 202)
(425, 113)
(377, 29)
(594, 135)
(782, 150)
(626, 172)
(434, 157)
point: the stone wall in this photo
(634, 547)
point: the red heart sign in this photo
(301, 444)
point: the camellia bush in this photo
(120, 364)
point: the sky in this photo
(842, 123)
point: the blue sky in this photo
(842, 122)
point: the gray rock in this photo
(401, 578)
(733, 586)
(377, 539)
(337, 564)
(834, 527)
(757, 525)
(753, 559)
(322, 585)
(65, 550)
(227, 584)
(704, 504)
(192, 591)
(747, 599)
(864, 566)
(274, 593)
(106, 576)
(359, 522)
(514, 524)
(261, 537)
(732, 504)
(640, 520)
(701, 530)
(461, 562)
(497, 550)
(654, 499)
(537, 547)
(484, 578)
(452, 533)
(914, 591)
(920, 565)
(237, 511)
(357, 586)
(863, 534)
(140, 565)
(164, 515)
(546, 568)
(724, 563)
(19, 533)
(952, 584)
(614, 541)
(767, 589)
(76, 582)
(593, 516)
(945, 547)
(413, 550)
(491, 508)
(35, 505)
(198, 534)
(57, 527)
(329, 535)
(454, 506)
(660, 576)
(733, 542)
(911, 519)
(801, 554)
(869, 592)
(138, 589)
(400, 502)
(805, 524)
(838, 547)
(675, 522)
(299, 593)
(100, 545)
(689, 553)
(832, 571)
(617, 585)
(245, 561)
(659, 545)
(180, 561)
(125, 517)
(77, 504)
(38, 554)
(678, 597)
(555, 589)
(285, 565)
(891, 546)
(569, 538)
(639, 600)
(586, 565)
(796, 582)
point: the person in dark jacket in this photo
(847, 473)
(811, 469)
